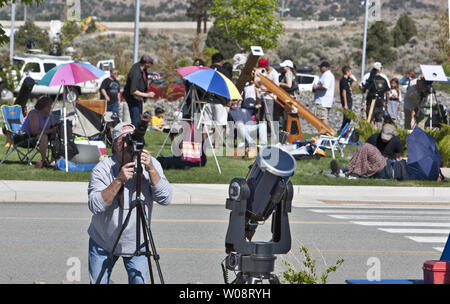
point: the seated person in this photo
(367, 161)
(158, 122)
(251, 96)
(387, 142)
(245, 125)
(34, 123)
(177, 162)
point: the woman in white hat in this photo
(288, 83)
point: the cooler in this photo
(436, 272)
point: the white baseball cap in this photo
(287, 63)
(378, 66)
(121, 129)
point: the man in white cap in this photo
(112, 193)
(324, 92)
(377, 86)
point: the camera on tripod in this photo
(136, 139)
(436, 114)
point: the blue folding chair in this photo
(19, 142)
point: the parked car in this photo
(305, 79)
(36, 66)
(306, 82)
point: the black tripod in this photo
(141, 219)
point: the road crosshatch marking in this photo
(415, 221)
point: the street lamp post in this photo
(136, 32)
(11, 35)
(366, 19)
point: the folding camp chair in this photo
(336, 143)
(90, 119)
(21, 143)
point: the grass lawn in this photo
(308, 171)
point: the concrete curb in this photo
(216, 194)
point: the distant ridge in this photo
(174, 10)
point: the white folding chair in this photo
(335, 143)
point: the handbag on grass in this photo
(191, 151)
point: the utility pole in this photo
(24, 12)
(366, 19)
(11, 35)
(136, 32)
(284, 9)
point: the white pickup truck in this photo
(36, 66)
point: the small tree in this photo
(198, 11)
(70, 30)
(29, 32)
(379, 43)
(404, 30)
(219, 40)
(249, 22)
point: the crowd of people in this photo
(382, 105)
(112, 188)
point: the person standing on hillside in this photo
(109, 91)
(377, 86)
(324, 92)
(345, 91)
(270, 106)
(136, 87)
(216, 103)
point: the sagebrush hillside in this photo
(175, 10)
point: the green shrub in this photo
(441, 136)
(308, 275)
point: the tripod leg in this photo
(148, 238)
(274, 279)
(111, 255)
(142, 219)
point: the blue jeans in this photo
(393, 169)
(114, 107)
(135, 112)
(136, 266)
(245, 131)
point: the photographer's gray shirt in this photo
(107, 221)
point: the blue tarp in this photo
(73, 167)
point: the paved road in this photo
(45, 242)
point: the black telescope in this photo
(264, 192)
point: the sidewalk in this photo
(216, 194)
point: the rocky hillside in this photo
(123, 10)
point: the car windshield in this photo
(305, 79)
(18, 62)
(49, 66)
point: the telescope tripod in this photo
(141, 220)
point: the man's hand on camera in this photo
(150, 94)
(146, 160)
(126, 172)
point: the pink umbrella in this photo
(69, 74)
(184, 71)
